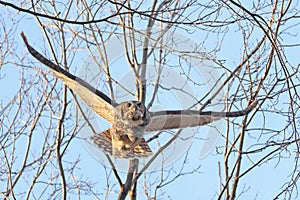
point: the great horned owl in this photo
(130, 119)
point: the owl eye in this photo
(129, 104)
(139, 104)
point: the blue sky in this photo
(263, 182)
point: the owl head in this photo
(134, 112)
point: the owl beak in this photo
(138, 115)
(139, 111)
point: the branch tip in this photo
(24, 37)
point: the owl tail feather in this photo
(119, 147)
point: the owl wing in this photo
(95, 99)
(104, 142)
(173, 119)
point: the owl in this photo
(130, 120)
(125, 138)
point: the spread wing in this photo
(95, 99)
(173, 119)
(104, 142)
